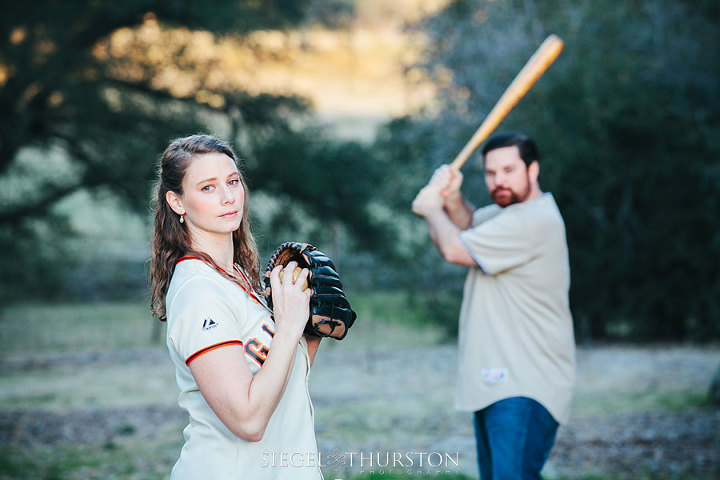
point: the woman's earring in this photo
(182, 220)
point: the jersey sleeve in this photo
(499, 243)
(201, 318)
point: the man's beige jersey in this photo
(516, 334)
(207, 311)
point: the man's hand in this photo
(447, 180)
(428, 200)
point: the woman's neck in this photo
(219, 248)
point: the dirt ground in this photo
(638, 413)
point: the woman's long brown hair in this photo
(171, 239)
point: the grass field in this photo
(87, 392)
(59, 328)
(39, 329)
(65, 358)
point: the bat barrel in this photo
(543, 57)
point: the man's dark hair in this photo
(526, 146)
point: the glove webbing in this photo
(329, 308)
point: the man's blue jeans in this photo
(514, 438)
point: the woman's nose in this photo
(227, 195)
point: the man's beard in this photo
(506, 200)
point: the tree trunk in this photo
(714, 392)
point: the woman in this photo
(241, 368)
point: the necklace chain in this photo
(249, 291)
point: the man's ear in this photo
(173, 200)
(533, 170)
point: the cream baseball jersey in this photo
(206, 311)
(516, 332)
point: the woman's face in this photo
(213, 196)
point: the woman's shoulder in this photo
(195, 278)
(193, 266)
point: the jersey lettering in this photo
(268, 330)
(256, 350)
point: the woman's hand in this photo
(291, 304)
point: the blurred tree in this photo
(714, 390)
(58, 90)
(91, 92)
(87, 118)
(335, 179)
(628, 120)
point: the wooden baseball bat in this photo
(543, 57)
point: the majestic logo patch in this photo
(492, 376)
(209, 323)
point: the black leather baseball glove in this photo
(330, 312)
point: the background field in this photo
(87, 391)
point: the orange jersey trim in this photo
(210, 348)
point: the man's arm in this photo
(446, 237)
(448, 181)
(444, 233)
(459, 210)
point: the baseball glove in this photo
(330, 312)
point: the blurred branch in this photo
(39, 206)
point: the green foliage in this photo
(47, 259)
(627, 120)
(66, 87)
(405, 147)
(642, 208)
(713, 394)
(335, 181)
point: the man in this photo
(516, 343)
